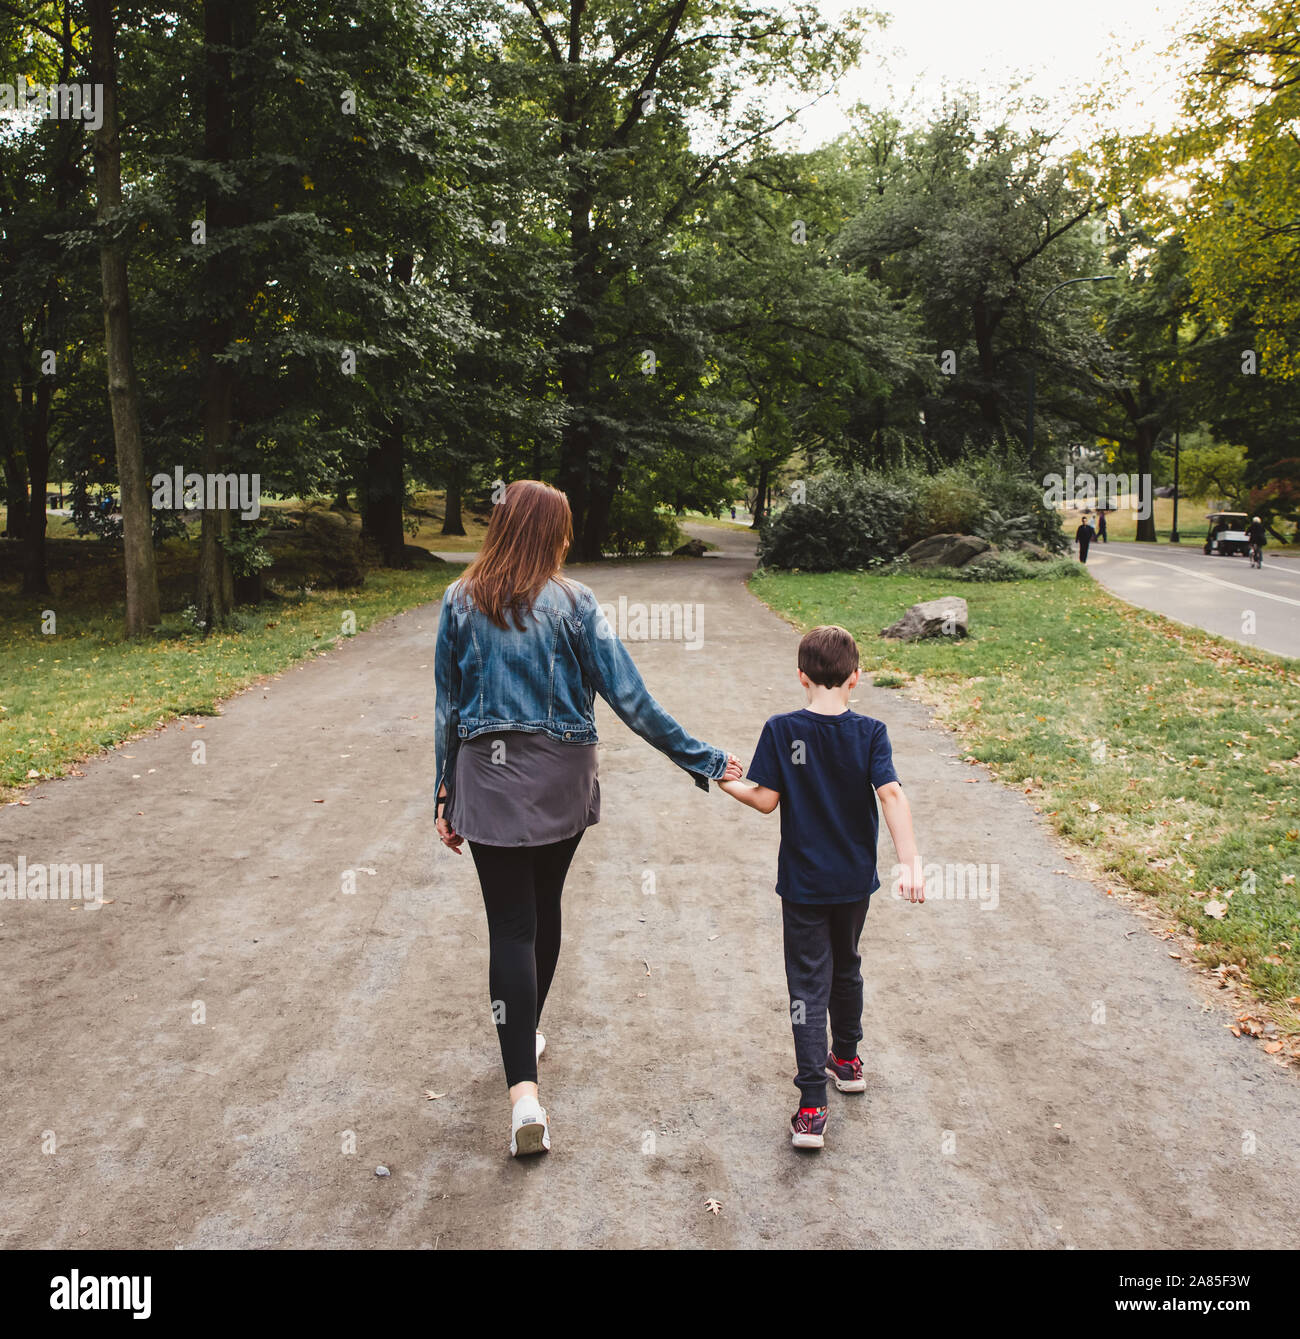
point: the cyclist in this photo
(1256, 533)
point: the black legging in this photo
(521, 893)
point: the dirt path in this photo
(999, 1113)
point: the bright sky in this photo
(1056, 49)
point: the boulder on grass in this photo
(946, 550)
(944, 617)
(1034, 552)
(693, 548)
(985, 559)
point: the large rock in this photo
(944, 617)
(946, 550)
(986, 559)
(693, 548)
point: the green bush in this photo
(947, 503)
(1012, 494)
(863, 518)
(1015, 567)
(323, 548)
(640, 526)
(851, 520)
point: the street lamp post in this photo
(1174, 536)
(1033, 346)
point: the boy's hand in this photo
(911, 882)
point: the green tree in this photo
(615, 86)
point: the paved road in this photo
(1222, 595)
(1041, 1074)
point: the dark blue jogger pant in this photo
(823, 970)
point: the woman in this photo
(521, 653)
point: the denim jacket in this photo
(544, 679)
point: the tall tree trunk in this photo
(48, 334)
(35, 580)
(226, 26)
(760, 493)
(600, 503)
(11, 441)
(1142, 408)
(216, 581)
(381, 503)
(985, 321)
(577, 335)
(1144, 444)
(384, 489)
(453, 523)
(142, 611)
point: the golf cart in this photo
(1227, 532)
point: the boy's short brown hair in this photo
(828, 655)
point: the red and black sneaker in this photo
(847, 1074)
(808, 1127)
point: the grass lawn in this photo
(426, 511)
(1171, 758)
(65, 695)
(718, 522)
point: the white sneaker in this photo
(529, 1131)
(541, 1045)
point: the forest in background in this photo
(391, 246)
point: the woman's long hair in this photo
(526, 539)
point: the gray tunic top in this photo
(516, 788)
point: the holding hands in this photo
(447, 835)
(735, 769)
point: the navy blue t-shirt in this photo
(827, 769)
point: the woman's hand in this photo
(448, 835)
(734, 769)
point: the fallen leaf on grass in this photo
(1272, 1047)
(713, 1206)
(1216, 909)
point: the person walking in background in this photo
(1083, 537)
(1101, 526)
(521, 653)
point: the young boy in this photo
(817, 764)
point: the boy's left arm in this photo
(898, 818)
(757, 797)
